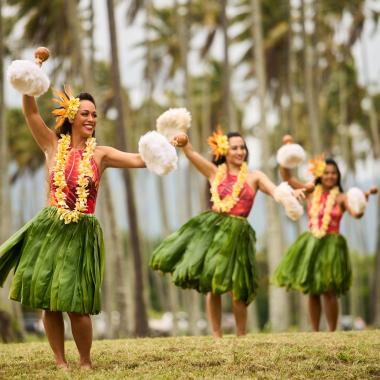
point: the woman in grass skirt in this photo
(318, 262)
(214, 252)
(58, 257)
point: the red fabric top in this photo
(336, 215)
(71, 175)
(246, 197)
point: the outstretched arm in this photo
(207, 168)
(113, 158)
(44, 137)
(268, 187)
(355, 210)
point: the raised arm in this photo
(44, 137)
(207, 168)
(113, 158)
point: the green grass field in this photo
(351, 355)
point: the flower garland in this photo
(317, 231)
(85, 171)
(228, 202)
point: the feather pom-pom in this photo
(173, 121)
(28, 78)
(284, 195)
(158, 154)
(290, 155)
(356, 200)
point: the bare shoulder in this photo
(102, 150)
(100, 153)
(253, 178)
(256, 175)
(341, 198)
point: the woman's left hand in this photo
(299, 194)
(179, 140)
(371, 190)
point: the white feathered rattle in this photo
(157, 148)
(284, 194)
(290, 155)
(357, 199)
(27, 77)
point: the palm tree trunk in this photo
(118, 264)
(4, 188)
(13, 309)
(278, 298)
(226, 116)
(184, 12)
(141, 319)
(292, 72)
(311, 96)
(375, 137)
(79, 61)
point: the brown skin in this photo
(257, 180)
(329, 180)
(83, 127)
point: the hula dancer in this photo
(318, 262)
(214, 252)
(58, 257)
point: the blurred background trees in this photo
(262, 67)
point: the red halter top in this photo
(246, 197)
(71, 175)
(336, 215)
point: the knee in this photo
(330, 295)
(78, 317)
(51, 314)
(213, 297)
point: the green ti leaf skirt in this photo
(316, 266)
(212, 252)
(57, 266)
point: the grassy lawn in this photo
(342, 355)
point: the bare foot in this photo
(85, 366)
(63, 366)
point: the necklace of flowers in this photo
(229, 201)
(317, 231)
(85, 172)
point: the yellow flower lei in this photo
(229, 201)
(317, 231)
(85, 171)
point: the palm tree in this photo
(278, 299)
(13, 310)
(4, 227)
(141, 320)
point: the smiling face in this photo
(329, 177)
(237, 152)
(85, 120)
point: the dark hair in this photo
(330, 161)
(66, 126)
(222, 159)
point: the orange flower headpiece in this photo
(68, 106)
(218, 143)
(317, 166)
